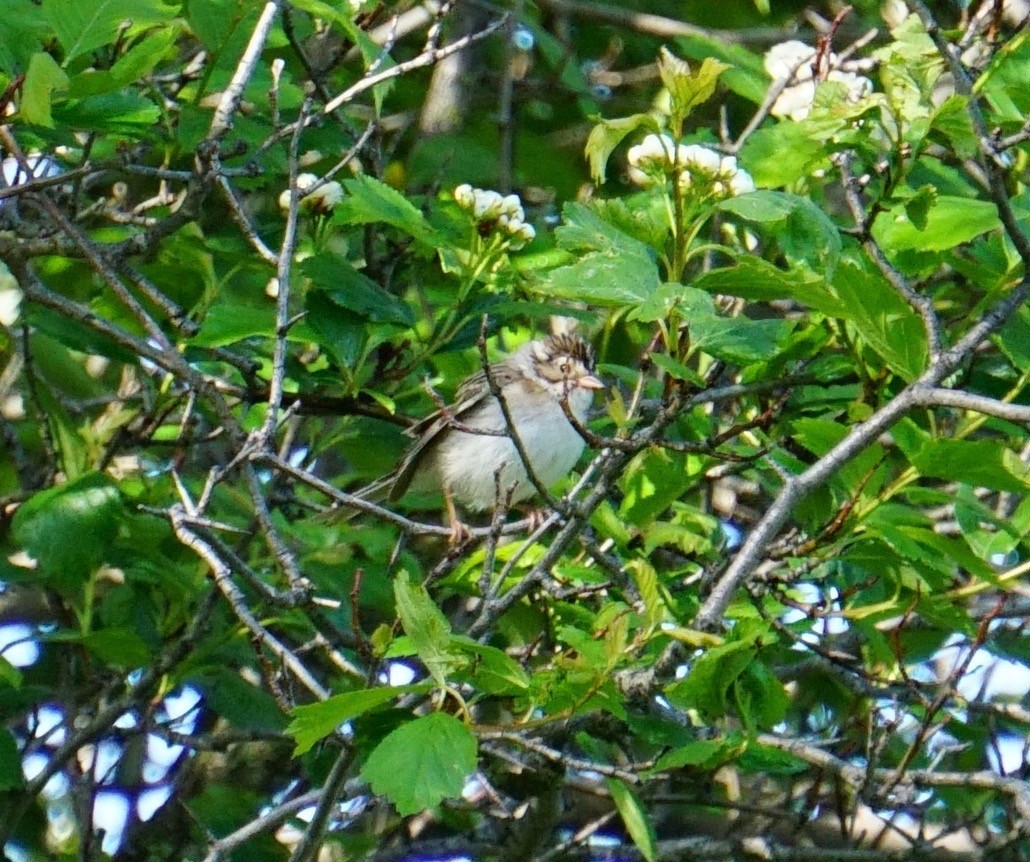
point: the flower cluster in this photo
(321, 201)
(791, 63)
(654, 158)
(492, 210)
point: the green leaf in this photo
(22, 35)
(984, 463)
(9, 674)
(355, 291)
(120, 647)
(702, 753)
(886, 322)
(314, 722)
(949, 222)
(745, 74)
(758, 280)
(369, 200)
(341, 332)
(494, 671)
(42, 78)
(707, 685)
(10, 762)
(223, 25)
(918, 206)
(133, 65)
(84, 25)
(781, 154)
(804, 232)
(242, 704)
(760, 697)
(422, 762)
(606, 135)
(951, 118)
(634, 816)
(69, 528)
(613, 268)
(1014, 338)
(651, 482)
(739, 340)
(687, 89)
(426, 625)
(124, 112)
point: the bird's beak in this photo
(589, 381)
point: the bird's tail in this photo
(373, 492)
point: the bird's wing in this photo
(473, 390)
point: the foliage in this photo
(246, 245)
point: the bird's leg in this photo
(459, 530)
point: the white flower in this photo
(694, 157)
(512, 206)
(791, 59)
(858, 85)
(464, 197)
(741, 183)
(792, 62)
(488, 204)
(727, 166)
(502, 213)
(323, 199)
(654, 150)
(10, 302)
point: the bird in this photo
(450, 457)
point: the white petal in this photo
(701, 158)
(789, 58)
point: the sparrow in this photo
(467, 467)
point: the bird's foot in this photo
(536, 518)
(460, 533)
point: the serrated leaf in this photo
(339, 331)
(426, 626)
(494, 671)
(707, 685)
(613, 268)
(606, 135)
(354, 291)
(781, 154)
(422, 762)
(986, 463)
(635, 818)
(702, 753)
(804, 232)
(756, 279)
(368, 200)
(84, 25)
(760, 697)
(123, 112)
(886, 322)
(687, 89)
(918, 206)
(951, 221)
(314, 722)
